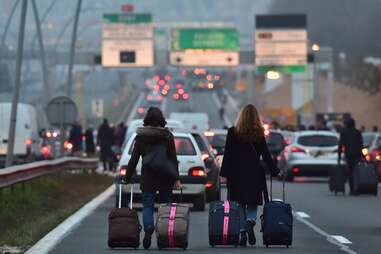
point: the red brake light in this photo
(176, 96)
(149, 97)
(181, 91)
(185, 96)
(28, 141)
(68, 145)
(140, 110)
(197, 171)
(209, 185)
(45, 151)
(123, 172)
(161, 82)
(295, 170)
(296, 149)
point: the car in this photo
(213, 186)
(193, 122)
(193, 173)
(217, 138)
(372, 149)
(311, 153)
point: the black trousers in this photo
(351, 164)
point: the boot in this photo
(243, 239)
(250, 232)
(147, 237)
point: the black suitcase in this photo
(337, 179)
(124, 227)
(365, 179)
(277, 221)
(224, 223)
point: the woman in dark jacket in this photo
(241, 169)
(152, 134)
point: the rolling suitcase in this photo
(172, 226)
(224, 223)
(365, 179)
(277, 220)
(124, 227)
(337, 179)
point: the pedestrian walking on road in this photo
(221, 112)
(351, 143)
(89, 143)
(375, 128)
(105, 141)
(149, 139)
(241, 168)
(75, 138)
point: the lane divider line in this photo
(341, 239)
(302, 214)
(54, 237)
(329, 237)
(218, 104)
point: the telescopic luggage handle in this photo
(283, 187)
(120, 195)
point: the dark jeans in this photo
(148, 199)
(351, 164)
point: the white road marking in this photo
(47, 243)
(302, 214)
(329, 237)
(133, 111)
(218, 104)
(341, 239)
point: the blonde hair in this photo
(248, 125)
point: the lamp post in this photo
(315, 49)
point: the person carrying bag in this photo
(155, 144)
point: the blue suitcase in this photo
(224, 223)
(277, 221)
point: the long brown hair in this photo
(248, 125)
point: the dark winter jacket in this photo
(145, 139)
(105, 140)
(241, 166)
(351, 143)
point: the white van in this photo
(193, 122)
(27, 139)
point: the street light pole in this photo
(45, 76)
(72, 49)
(16, 91)
(316, 98)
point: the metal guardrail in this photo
(23, 173)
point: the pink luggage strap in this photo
(171, 226)
(226, 222)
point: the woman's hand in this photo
(223, 180)
(177, 185)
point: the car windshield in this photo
(218, 140)
(183, 146)
(318, 140)
(368, 139)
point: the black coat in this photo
(352, 142)
(241, 166)
(105, 140)
(145, 139)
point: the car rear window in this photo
(318, 140)
(379, 142)
(368, 139)
(201, 143)
(184, 146)
(218, 140)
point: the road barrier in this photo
(26, 172)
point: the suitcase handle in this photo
(283, 187)
(120, 195)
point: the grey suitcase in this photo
(365, 180)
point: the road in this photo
(323, 223)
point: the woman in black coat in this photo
(151, 135)
(241, 169)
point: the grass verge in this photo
(29, 211)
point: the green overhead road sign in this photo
(205, 38)
(127, 18)
(283, 69)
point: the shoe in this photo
(147, 237)
(243, 239)
(250, 232)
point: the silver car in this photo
(310, 153)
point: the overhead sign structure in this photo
(204, 47)
(127, 40)
(281, 43)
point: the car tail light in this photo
(296, 149)
(45, 151)
(186, 96)
(176, 96)
(68, 145)
(278, 158)
(122, 171)
(204, 156)
(160, 98)
(162, 82)
(48, 134)
(149, 97)
(296, 170)
(28, 142)
(167, 77)
(209, 185)
(140, 110)
(197, 171)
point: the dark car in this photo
(213, 187)
(276, 144)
